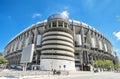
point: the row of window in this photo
(57, 24)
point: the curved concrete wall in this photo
(57, 47)
(49, 64)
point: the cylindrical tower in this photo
(57, 44)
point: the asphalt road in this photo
(101, 75)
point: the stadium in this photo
(59, 43)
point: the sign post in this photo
(64, 66)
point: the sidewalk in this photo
(10, 74)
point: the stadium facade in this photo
(59, 43)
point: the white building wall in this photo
(20, 44)
(15, 45)
(93, 42)
(100, 45)
(63, 48)
(49, 64)
(11, 47)
(105, 47)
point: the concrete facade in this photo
(61, 44)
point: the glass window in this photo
(65, 25)
(60, 24)
(54, 24)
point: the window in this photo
(76, 53)
(54, 24)
(49, 26)
(85, 40)
(77, 62)
(60, 24)
(65, 25)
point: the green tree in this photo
(108, 64)
(117, 66)
(99, 63)
(3, 60)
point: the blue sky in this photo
(16, 15)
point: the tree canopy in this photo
(103, 63)
(3, 60)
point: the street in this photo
(10, 74)
(101, 75)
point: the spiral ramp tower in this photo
(57, 44)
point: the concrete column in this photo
(29, 37)
(87, 57)
(67, 25)
(19, 40)
(63, 25)
(97, 40)
(25, 41)
(17, 44)
(14, 44)
(51, 24)
(57, 24)
(82, 35)
(81, 60)
(89, 34)
(35, 35)
(73, 30)
(91, 59)
(22, 41)
(35, 40)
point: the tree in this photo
(108, 64)
(117, 66)
(99, 63)
(3, 60)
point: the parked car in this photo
(13, 66)
(19, 68)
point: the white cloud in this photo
(65, 13)
(36, 15)
(117, 34)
